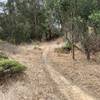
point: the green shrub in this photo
(3, 56)
(95, 20)
(67, 46)
(10, 67)
(64, 49)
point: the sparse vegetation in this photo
(3, 56)
(64, 49)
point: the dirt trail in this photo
(71, 92)
(41, 81)
(36, 84)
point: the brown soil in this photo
(49, 75)
(82, 73)
(35, 83)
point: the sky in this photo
(3, 0)
(0, 7)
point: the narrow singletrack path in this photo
(71, 92)
(42, 81)
(35, 84)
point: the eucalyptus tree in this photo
(24, 20)
(75, 19)
(68, 9)
(53, 22)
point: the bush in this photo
(91, 45)
(10, 67)
(95, 20)
(68, 46)
(65, 49)
(3, 56)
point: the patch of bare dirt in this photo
(49, 75)
(70, 91)
(35, 83)
(82, 73)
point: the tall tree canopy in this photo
(26, 20)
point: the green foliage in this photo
(65, 5)
(10, 67)
(95, 20)
(23, 21)
(95, 17)
(64, 49)
(86, 7)
(3, 56)
(67, 46)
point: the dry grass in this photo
(35, 84)
(85, 74)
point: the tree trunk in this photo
(73, 52)
(73, 49)
(88, 55)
